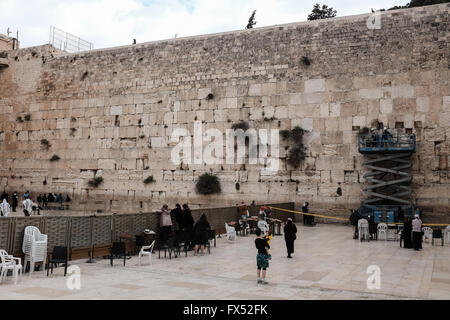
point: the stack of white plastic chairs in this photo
(34, 247)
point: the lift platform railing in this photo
(387, 142)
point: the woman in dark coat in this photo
(406, 233)
(188, 223)
(178, 212)
(290, 231)
(201, 234)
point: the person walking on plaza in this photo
(406, 233)
(201, 234)
(417, 232)
(262, 257)
(166, 222)
(290, 234)
(15, 201)
(5, 208)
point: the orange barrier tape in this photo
(344, 219)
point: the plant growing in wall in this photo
(55, 158)
(305, 60)
(27, 117)
(95, 182)
(296, 148)
(148, 180)
(208, 184)
(19, 119)
(240, 125)
(84, 75)
(210, 96)
(72, 131)
(45, 144)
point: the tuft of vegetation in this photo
(142, 136)
(27, 117)
(237, 186)
(55, 158)
(305, 60)
(297, 150)
(240, 125)
(84, 75)
(210, 96)
(208, 184)
(323, 12)
(73, 119)
(148, 180)
(19, 119)
(95, 182)
(46, 144)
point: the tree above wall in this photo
(323, 12)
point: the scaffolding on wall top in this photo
(68, 42)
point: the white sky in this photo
(109, 23)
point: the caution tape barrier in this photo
(346, 219)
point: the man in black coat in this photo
(4, 196)
(15, 201)
(290, 234)
(354, 217)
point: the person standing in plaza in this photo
(290, 235)
(4, 196)
(417, 232)
(5, 208)
(307, 219)
(201, 234)
(166, 222)
(262, 257)
(188, 223)
(406, 233)
(177, 213)
(27, 206)
(15, 201)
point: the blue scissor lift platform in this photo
(388, 157)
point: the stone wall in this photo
(111, 112)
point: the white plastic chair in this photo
(147, 251)
(231, 232)
(427, 233)
(363, 229)
(263, 226)
(382, 229)
(447, 234)
(34, 247)
(8, 262)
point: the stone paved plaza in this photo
(327, 264)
